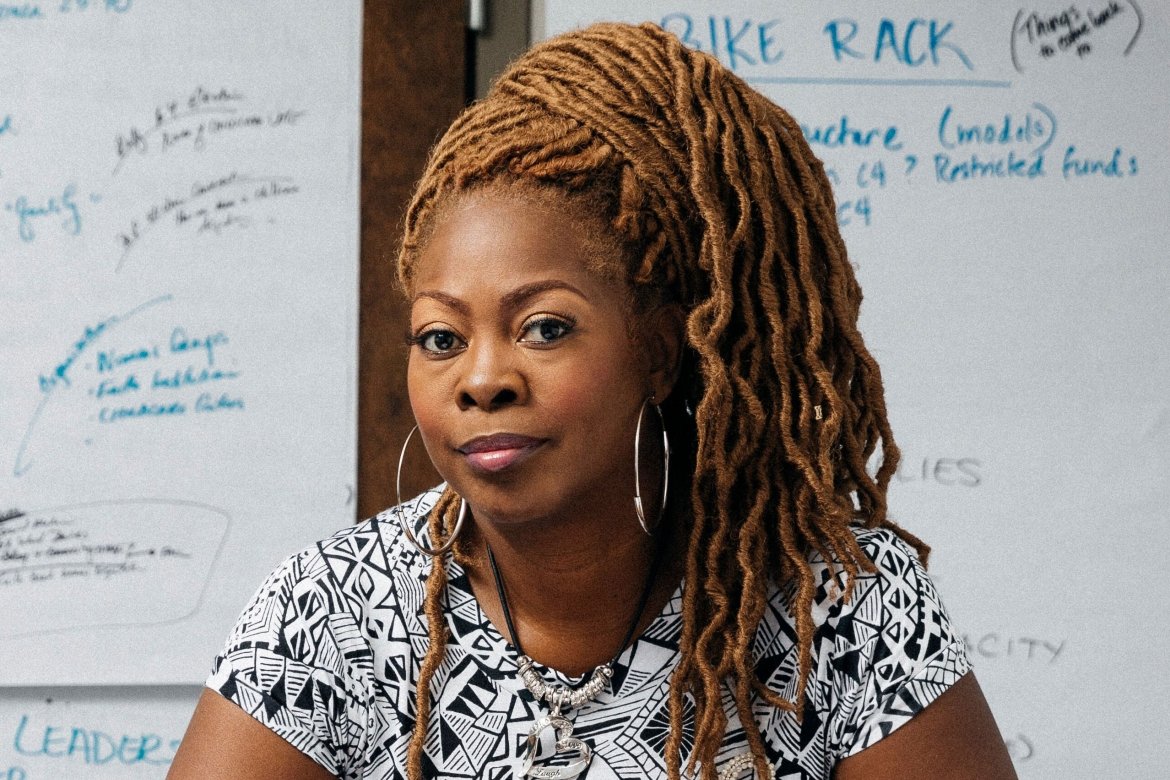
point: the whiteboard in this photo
(1001, 173)
(96, 733)
(178, 316)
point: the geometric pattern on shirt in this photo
(327, 655)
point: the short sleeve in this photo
(296, 662)
(894, 649)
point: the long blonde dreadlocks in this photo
(721, 206)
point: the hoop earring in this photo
(406, 531)
(638, 470)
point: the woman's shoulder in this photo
(884, 648)
(371, 560)
(305, 652)
(894, 604)
(378, 542)
(890, 623)
(369, 563)
(896, 567)
(892, 556)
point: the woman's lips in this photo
(498, 451)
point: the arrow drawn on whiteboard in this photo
(60, 374)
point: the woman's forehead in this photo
(494, 245)
(499, 235)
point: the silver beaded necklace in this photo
(561, 697)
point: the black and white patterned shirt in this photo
(328, 652)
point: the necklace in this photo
(559, 696)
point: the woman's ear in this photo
(664, 343)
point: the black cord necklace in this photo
(503, 596)
(560, 696)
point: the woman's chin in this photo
(518, 508)
(508, 516)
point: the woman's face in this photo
(523, 377)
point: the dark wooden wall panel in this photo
(414, 82)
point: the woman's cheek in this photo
(592, 395)
(430, 409)
(575, 384)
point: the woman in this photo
(622, 243)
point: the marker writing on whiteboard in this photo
(1031, 130)
(63, 209)
(54, 546)
(120, 553)
(1115, 164)
(210, 205)
(960, 472)
(191, 122)
(911, 43)
(1046, 36)
(737, 42)
(27, 11)
(169, 122)
(61, 374)
(993, 645)
(77, 6)
(141, 382)
(90, 746)
(848, 133)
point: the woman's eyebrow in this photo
(521, 294)
(449, 301)
(512, 299)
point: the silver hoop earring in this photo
(402, 522)
(638, 471)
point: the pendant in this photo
(566, 743)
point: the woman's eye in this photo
(438, 341)
(545, 330)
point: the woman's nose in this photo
(492, 379)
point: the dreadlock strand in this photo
(805, 587)
(439, 528)
(742, 695)
(750, 556)
(683, 676)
